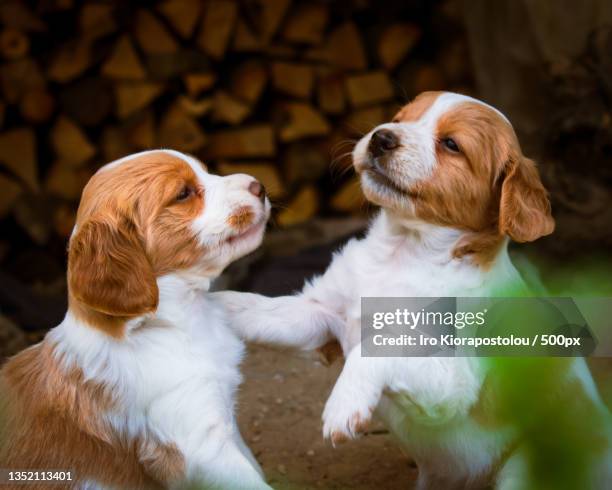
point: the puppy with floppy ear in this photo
(108, 270)
(524, 208)
(135, 388)
(453, 187)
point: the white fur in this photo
(176, 372)
(422, 395)
(425, 402)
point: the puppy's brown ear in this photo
(524, 211)
(108, 270)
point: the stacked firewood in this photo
(274, 88)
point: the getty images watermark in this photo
(501, 327)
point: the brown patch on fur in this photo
(165, 463)
(109, 272)
(360, 425)
(50, 419)
(242, 218)
(110, 324)
(487, 188)
(415, 109)
(338, 438)
(130, 215)
(524, 213)
(482, 248)
(462, 191)
(330, 352)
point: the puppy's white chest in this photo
(412, 278)
(408, 277)
(203, 346)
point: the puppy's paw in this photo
(345, 418)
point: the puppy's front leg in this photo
(207, 451)
(354, 397)
(232, 470)
(293, 321)
(440, 388)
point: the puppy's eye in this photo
(186, 193)
(450, 144)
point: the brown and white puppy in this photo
(453, 187)
(135, 388)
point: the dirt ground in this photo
(279, 411)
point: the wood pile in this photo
(275, 88)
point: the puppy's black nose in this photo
(258, 190)
(382, 141)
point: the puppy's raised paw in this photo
(344, 420)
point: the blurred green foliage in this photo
(561, 431)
